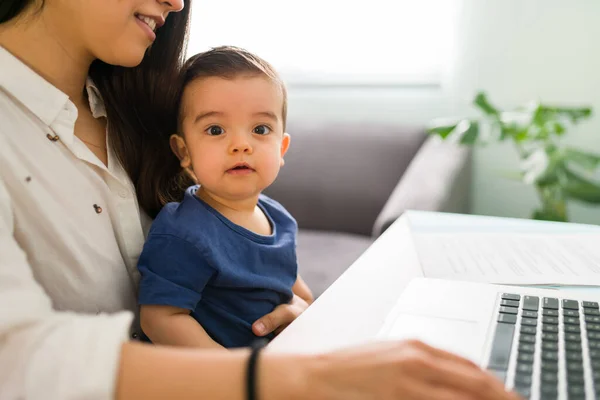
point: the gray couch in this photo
(345, 184)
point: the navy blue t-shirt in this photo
(226, 275)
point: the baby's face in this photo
(233, 131)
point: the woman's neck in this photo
(40, 45)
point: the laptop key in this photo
(549, 355)
(531, 303)
(572, 329)
(511, 296)
(501, 346)
(593, 327)
(507, 318)
(550, 303)
(550, 328)
(592, 318)
(589, 304)
(571, 321)
(576, 390)
(523, 380)
(529, 321)
(550, 346)
(573, 337)
(593, 335)
(574, 366)
(550, 337)
(595, 354)
(523, 368)
(509, 303)
(570, 304)
(527, 347)
(550, 366)
(570, 313)
(530, 314)
(550, 320)
(593, 344)
(591, 311)
(573, 356)
(524, 338)
(575, 378)
(572, 346)
(509, 310)
(530, 330)
(547, 378)
(525, 358)
(549, 392)
(550, 313)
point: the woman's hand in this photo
(280, 317)
(409, 370)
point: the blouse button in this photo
(52, 138)
(97, 208)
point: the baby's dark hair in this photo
(228, 62)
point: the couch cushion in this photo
(339, 176)
(324, 256)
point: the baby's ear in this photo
(180, 150)
(285, 145)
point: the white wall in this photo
(517, 51)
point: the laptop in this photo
(543, 343)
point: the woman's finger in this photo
(445, 355)
(462, 378)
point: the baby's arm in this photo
(174, 274)
(174, 326)
(302, 290)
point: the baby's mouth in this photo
(240, 168)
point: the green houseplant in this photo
(558, 172)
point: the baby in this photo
(226, 254)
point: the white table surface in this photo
(354, 308)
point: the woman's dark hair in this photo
(141, 107)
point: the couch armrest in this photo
(437, 179)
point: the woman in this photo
(85, 92)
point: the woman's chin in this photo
(126, 58)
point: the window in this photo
(334, 42)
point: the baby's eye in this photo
(262, 130)
(215, 130)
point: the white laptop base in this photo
(543, 343)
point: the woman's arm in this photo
(388, 371)
(174, 326)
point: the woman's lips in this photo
(147, 30)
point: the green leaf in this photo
(543, 168)
(468, 132)
(442, 130)
(575, 114)
(484, 105)
(548, 215)
(584, 159)
(580, 188)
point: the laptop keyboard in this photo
(546, 348)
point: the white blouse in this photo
(70, 236)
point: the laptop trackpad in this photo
(455, 335)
